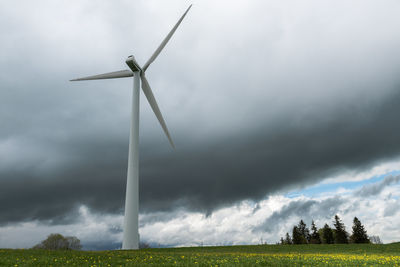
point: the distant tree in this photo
(375, 239)
(73, 243)
(59, 242)
(288, 240)
(297, 237)
(304, 232)
(38, 246)
(144, 245)
(327, 235)
(314, 237)
(55, 241)
(341, 236)
(282, 241)
(359, 234)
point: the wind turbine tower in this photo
(131, 219)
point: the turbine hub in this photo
(132, 64)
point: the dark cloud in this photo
(51, 195)
(267, 160)
(302, 110)
(375, 189)
(305, 209)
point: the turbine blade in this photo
(110, 75)
(153, 104)
(164, 42)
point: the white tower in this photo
(131, 219)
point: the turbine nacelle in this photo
(132, 64)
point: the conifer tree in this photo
(341, 236)
(288, 240)
(327, 235)
(298, 233)
(296, 236)
(359, 233)
(315, 238)
(304, 232)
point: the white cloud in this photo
(90, 228)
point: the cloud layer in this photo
(246, 222)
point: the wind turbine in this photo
(131, 219)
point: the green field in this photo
(262, 255)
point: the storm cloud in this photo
(259, 99)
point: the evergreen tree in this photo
(359, 233)
(327, 235)
(341, 236)
(288, 240)
(297, 236)
(314, 238)
(282, 242)
(304, 232)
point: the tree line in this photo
(327, 235)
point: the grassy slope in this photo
(263, 255)
(387, 249)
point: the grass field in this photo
(262, 255)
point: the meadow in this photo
(260, 255)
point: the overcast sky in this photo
(279, 111)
